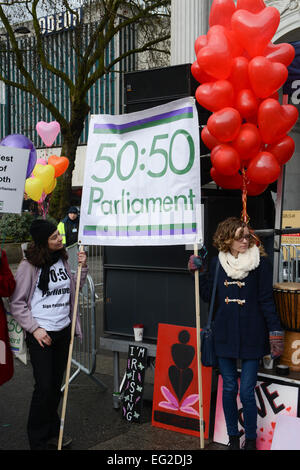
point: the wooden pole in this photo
(197, 304)
(64, 407)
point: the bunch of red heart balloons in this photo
(241, 71)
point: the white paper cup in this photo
(138, 332)
(268, 362)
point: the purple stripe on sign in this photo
(158, 117)
(142, 233)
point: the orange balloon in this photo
(60, 164)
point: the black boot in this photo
(250, 444)
(234, 443)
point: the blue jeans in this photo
(228, 369)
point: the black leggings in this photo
(49, 364)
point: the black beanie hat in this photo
(41, 230)
(73, 210)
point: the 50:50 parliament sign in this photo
(142, 178)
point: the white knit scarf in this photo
(238, 268)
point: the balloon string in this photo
(245, 216)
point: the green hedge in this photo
(15, 227)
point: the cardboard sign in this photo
(273, 400)
(176, 397)
(290, 219)
(134, 383)
(13, 167)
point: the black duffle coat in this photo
(244, 312)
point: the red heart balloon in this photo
(200, 42)
(199, 74)
(255, 30)
(239, 76)
(235, 46)
(265, 76)
(275, 120)
(282, 150)
(215, 95)
(263, 169)
(225, 124)
(221, 12)
(255, 6)
(254, 189)
(247, 103)
(284, 53)
(248, 142)
(215, 58)
(60, 164)
(226, 182)
(226, 160)
(209, 140)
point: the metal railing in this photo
(289, 263)
(85, 349)
(286, 256)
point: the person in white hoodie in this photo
(42, 303)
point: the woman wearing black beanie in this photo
(42, 303)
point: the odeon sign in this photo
(60, 21)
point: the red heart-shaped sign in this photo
(255, 30)
(275, 120)
(283, 150)
(248, 141)
(226, 182)
(263, 169)
(225, 124)
(215, 95)
(265, 76)
(226, 160)
(216, 58)
(283, 53)
(247, 103)
(221, 12)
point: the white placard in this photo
(142, 178)
(13, 167)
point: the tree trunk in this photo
(61, 197)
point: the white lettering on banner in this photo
(64, 20)
(2, 352)
(142, 178)
(295, 358)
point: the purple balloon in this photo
(21, 142)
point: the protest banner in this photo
(142, 178)
(142, 185)
(13, 165)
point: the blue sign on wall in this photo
(60, 21)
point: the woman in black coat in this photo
(246, 323)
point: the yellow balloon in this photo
(34, 188)
(50, 186)
(45, 173)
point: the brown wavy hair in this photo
(40, 255)
(225, 233)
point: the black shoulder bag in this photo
(208, 355)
